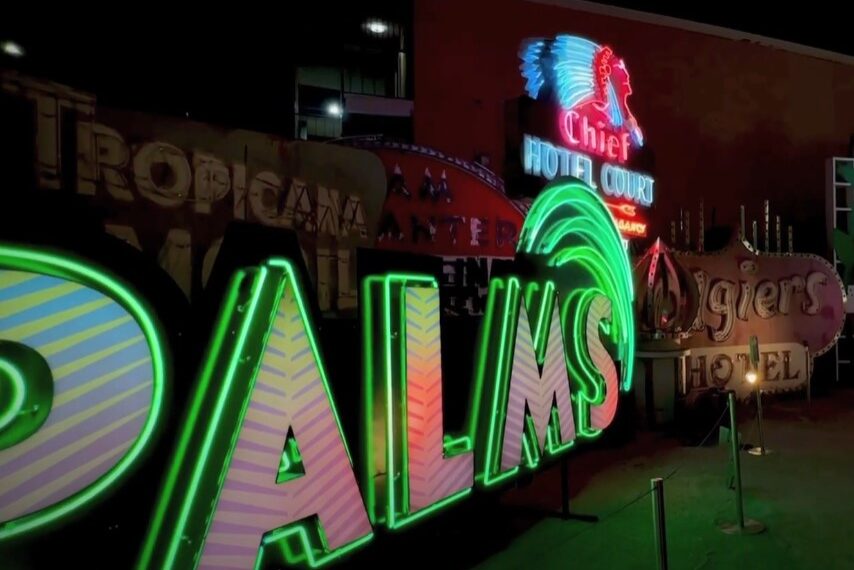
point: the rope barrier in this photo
(603, 519)
(703, 442)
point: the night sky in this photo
(825, 25)
(232, 68)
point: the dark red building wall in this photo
(728, 121)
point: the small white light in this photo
(750, 376)
(333, 109)
(12, 49)
(377, 27)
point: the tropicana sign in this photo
(261, 473)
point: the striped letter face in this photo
(263, 417)
(412, 469)
(599, 311)
(540, 392)
(81, 385)
(526, 403)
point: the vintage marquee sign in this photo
(793, 303)
(591, 86)
(629, 221)
(261, 474)
(783, 366)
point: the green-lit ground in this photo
(803, 492)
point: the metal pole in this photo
(564, 488)
(741, 526)
(736, 460)
(687, 230)
(565, 511)
(809, 389)
(767, 226)
(759, 419)
(761, 450)
(758, 378)
(657, 486)
(778, 234)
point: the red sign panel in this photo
(442, 206)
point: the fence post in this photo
(741, 525)
(659, 526)
(756, 379)
(565, 511)
(736, 459)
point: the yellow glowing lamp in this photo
(751, 376)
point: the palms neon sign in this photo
(262, 475)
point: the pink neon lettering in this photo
(624, 147)
(612, 142)
(588, 134)
(579, 131)
(567, 125)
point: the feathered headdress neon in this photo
(580, 72)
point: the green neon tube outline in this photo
(588, 258)
(483, 350)
(368, 404)
(308, 555)
(288, 267)
(598, 265)
(500, 393)
(540, 340)
(543, 328)
(547, 301)
(391, 489)
(553, 441)
(451, 445)
(588, 375)
(67, 266)
(570, 225)
(462, 443)
(553, 198)
(198, 401)
(299, 529)
(530, 446)
(19, 389)
(588, 378)
(602, 232)
(587, 226)
(585, 379)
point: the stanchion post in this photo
(759, 419)
(754, 378)
(736, 459)
(565, 510)
(564, 488)
(809, 392)
(809, 376)
(741, 525)
(659, 526)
